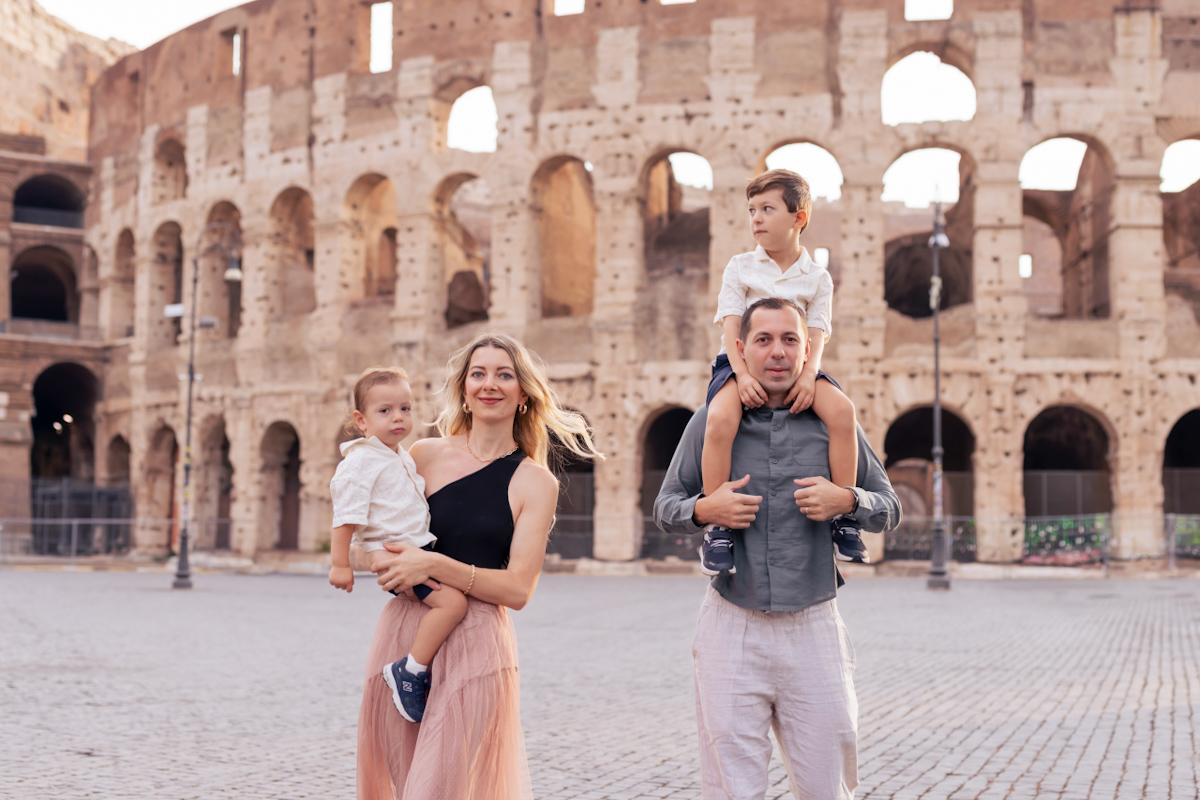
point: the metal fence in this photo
(71, 537)
(911, 539)
(32, 215)
(49, 329)
(1068, 541)
(1183, 536)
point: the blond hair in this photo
(545, 416)
(368, 380)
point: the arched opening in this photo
(213, 487)
(280, 515)
(43, 285)
(117, 462)
(910, 186)
(573, 534)
(566, 236)
(1181, 466)
(166, 285)
(220, 298)
(1040, 263)
(291, 289)
(1066, 464)
(170, 180)
(1067, 184)
(463, 214)
(658, 447)
(64, 397)
(909, 449)
(120, 288)
(369, 238)
(822, 238)
(156, 500)
(675, 222)
(921, 88)
(49, 200)
(471, 118)
(1181, 228)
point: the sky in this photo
(917, 88)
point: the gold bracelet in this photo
(472, 583)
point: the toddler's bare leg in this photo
(724, 418)
(447, 607)
(837, 412)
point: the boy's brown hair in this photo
(796, 194)
(368, 380)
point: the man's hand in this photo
(727, 508)
(801, 395)
(750, 391)
(821, 500)
(342, 578)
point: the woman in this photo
(491, 503)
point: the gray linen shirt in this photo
(784, 560)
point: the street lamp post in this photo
(939, 576)
(228, 245)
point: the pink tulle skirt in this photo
(470, 745)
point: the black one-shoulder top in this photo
(471, 517)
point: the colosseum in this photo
(261, 170)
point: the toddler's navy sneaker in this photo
(848, 543)
(716, 553)
(409, 690)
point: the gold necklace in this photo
(488, 460)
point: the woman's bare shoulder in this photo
(425, 448)
(533, 478)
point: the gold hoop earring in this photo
(466, 408)
(523, 408)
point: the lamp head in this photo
(233, 273)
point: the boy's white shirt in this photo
(752, 276)
(380, 493)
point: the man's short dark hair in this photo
(773, 303)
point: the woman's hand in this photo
(408, 567)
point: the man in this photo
(770, 647)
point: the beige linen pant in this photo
(787, 671)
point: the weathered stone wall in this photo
(618, 88)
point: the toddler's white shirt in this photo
(752, 276)
(378, 491)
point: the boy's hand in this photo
(750, 392)
(801, 395)
(342, 578)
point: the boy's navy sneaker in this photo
(716, 553)
(848, 543)
(409, 690)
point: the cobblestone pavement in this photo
(114, 686)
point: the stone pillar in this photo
(998, 466)
(244, 454)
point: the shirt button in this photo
(772, 493)
(774, 460)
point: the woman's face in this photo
(492, 390)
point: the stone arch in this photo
(62, 426)
(43, 285)
(279, 512)
(220, 298)
(291, 287)
(213, 485)
(120, 287)
(1181, 466)
(924, 85)
(117, 461)
(49, 200)
(369, 220)
(565, 216)
(908, 262)
(676, 245)
(156, 499)
(820, 167)
(1080, 218)
(470, 121)
(166, 285)
(1067, 464)
(463, 215)
(660, 436)
(909, 448)
(1181, 237)
(170, 179)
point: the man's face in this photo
(775, 349)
